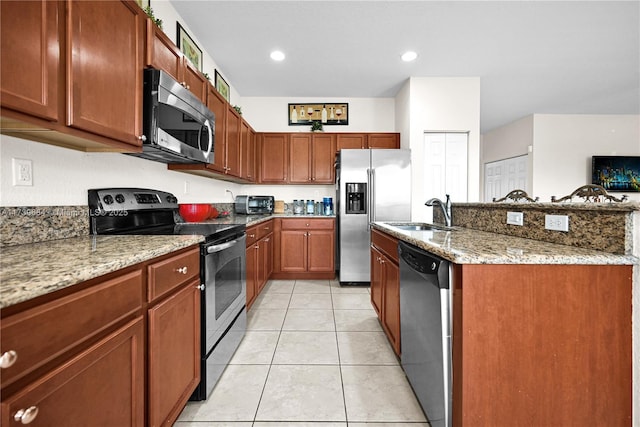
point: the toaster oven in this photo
(252, 205)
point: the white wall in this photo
(439, 104)
(270, 114)
(563, 145)
(62, 176)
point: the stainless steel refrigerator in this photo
(371, 185)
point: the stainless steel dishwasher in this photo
(425, 330)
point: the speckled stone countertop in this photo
(467, 246)
(32, 270)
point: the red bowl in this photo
(195, 212)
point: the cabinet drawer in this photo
(307, 224)
(264, 228)
(252, 235)
(42, 333)
(172, 272)
(385, 243)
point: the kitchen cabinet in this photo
(385, 285)
(163, 54)
(133, 361)
(305, 249)
(105, 99)
(542, 345)
(247, 152)
(273, 154)
(30, 57)
(368, 140)
(218, 106)
(232, 164)
(259, 258)
(78, 343)
(312, 158)
(55, 85)
(174, 335)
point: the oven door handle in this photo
(221, 247)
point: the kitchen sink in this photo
(418, 226)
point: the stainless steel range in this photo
(222, 266)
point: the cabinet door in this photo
(383, 140)
(233, 142)
(391, 302)
(321, 250)
(218, 105)
(162, 53)
(300, 159)
(351, 140)
(104, 71)
(376, 280)
(252, 274)
(268, 257)
(274, 157)
(195, 81)
(251, 156)
(323, 159)
(293, 251)
(246, 151)
(174, 353)
(30, 56)
(103, 385)
(262, 264)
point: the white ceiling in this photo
(567, 57)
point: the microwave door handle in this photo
(208, 125)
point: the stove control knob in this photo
(108, 199)
(172, 199)
(119, 198)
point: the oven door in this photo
(225, 292)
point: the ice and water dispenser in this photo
(356, 198)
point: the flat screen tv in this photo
(616, 173)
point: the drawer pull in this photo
(252, 235)
(8, 358)
(25, 416)
(182, 270)
(201, 287)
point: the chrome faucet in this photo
(445, 206)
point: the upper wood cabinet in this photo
(104, 68)
(247, 152)
(273, 152)
(311, 158)
(30, 55)
(164, 55)
(232, 164)
(218, 105)
(367, 140)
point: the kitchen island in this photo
(541, 331)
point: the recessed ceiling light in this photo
(409, 56)
(277, 55)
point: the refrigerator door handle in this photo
(372, 196)
(368, 195)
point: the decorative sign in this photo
(327, 114)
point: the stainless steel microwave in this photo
(250, 205)
(177, 126)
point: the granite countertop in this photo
(468, 246)
(31, 270)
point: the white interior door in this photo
(503, 176)
(445, 163)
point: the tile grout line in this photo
(335, 325)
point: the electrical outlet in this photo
(515, 218)
(22, 172)
(556, 222)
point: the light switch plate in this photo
(556, 222)
(515, 218)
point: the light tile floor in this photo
(314, 355)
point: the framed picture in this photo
(327, 114)
(222, 86)
(143, 3)
(189, 47)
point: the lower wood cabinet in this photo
(305, 249)
(385, 285)
(259, 258)
(117, 350)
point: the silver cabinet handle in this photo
(8, 358)
(201, 287)
(25, 416)
(142, 138)
(182, 270)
